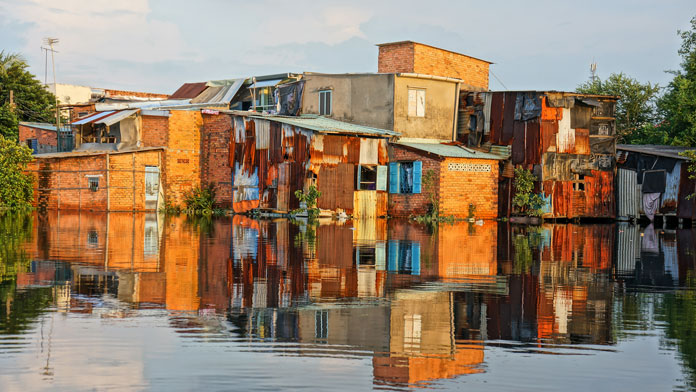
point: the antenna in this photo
(50, 42)
(593, 70)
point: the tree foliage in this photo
(677, 107)
(16, 187)
(32, 102)
(635, 111)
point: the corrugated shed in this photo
(671, 196)
(188, 90)
(451, 151)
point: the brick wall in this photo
(459, 189)
(405, 205)
(395, 58)
(63, 183)
(215, 152)
(423, 59)
(154, 131)
(124, 93)
(181, 169)
(48, 140)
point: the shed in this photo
(458, 178)
(273, 156)
(567, 139)
(654, 180)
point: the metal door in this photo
(151, 187)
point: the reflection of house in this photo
(567, 139)
(654, 180)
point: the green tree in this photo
(635, 111)
(32, 102)
(677, 107)
(16, 187)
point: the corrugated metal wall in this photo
(628, 194)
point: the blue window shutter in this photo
(393, 177)
(417, 174)
(357, 177)
(415, 258)
(393, 263)
(34, 145)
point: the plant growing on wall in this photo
(309, 200)
(525, 201)
(200, 200)
(16, 187)
(433, 215)
(691, 154)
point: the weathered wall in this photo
(63, 183)
(438, 122)
(182, 164)
(48, 140)
(215, 152)
(423, 59)
(459, 189)
(365, 99)
(154, 131)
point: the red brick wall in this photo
(395, 58)
(124, 93)
(62, 183)
(459, 189)
(154, 131)
(405, 205)
(215, 152)
(181, 168)
(423, 59)
(45, 138)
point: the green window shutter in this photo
(381, 178)
(393, 177)
(417, 174)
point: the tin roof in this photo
(44, 126)
(318, 123)
(188, 90)
(451, 151)
(657, 150)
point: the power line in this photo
(499, 81)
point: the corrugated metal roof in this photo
(141, 105)
(189, 90)
(657, 150)
(116, 117)
(265, 83)
(219, 91)
(44, 126)
(93, 117)
(319, 124)
(450, 151)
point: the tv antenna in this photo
(593, 70)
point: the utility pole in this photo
(50, 42)
(12, 104)
(593, 71)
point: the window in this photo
(404, 257)
(93, 183)
(416, 102)
(405, 177)
(371, 178)
(579, 183)
(34, 145)
(92, 238)
(325, 102)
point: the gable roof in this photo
(657, 150)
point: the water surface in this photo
(136, 301)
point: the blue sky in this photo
(156, 45)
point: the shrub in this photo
(525, 201)
(310, 199)
(16, 187)
(200, 200)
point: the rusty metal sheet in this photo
(508, 118)
(580, 116)
(565, 138)
(670, 197)
(602, 128)
(548, 131)
(275, 150)
(602, 145)
(496, 117)
(532, 143)
(383, 152)
(550, 113)
(582, 141)
(518, 142)
(599, 195)
(284, 187)
(336, 185)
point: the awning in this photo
(265, 83)
(113, 119)
(93, 117)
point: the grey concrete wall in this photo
(438, 122)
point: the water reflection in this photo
(420, 306)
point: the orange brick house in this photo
(458, 177)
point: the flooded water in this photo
(133, 301)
